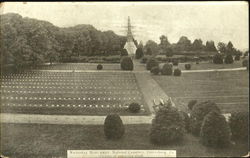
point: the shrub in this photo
(229, 59)
(215, 131)
(155, 70)
(151, 63)
(186, 120)
(177, 72)
(175, 62)
(191, 104)
(167, 126)
(218, 59)
(237, 58)
(239, 125)
(187, 66)
(245, 63)
(127, 63)
(167, 69)
(99, 67)
(198, 113)
(134, 107)
(113, 127)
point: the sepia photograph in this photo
(124, 79)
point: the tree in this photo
(139, 53)
(197, 45)
(222, 48)
(164, 43)
(210, 46)
(184, 44)
(169, 51)
(127, 63)
(113, 127)
(167, 126)
(239, 125)
(167, 69)
(215, 131)
(198, 113)
(151, 48)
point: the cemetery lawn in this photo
(34, 140)
(69, 93)
(228, 89)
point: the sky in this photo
(217, 21)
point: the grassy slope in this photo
(30, 140)
(221, 87)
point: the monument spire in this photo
(130, 45)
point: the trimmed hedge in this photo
(239, 125)
(113, 127)
(167, 126)
(99, 67)
(127, 63)
(198, 113)
(155, 70)
(134, 107)
(167, 69)
(151, 63)
(229, 59)
(187, 66)
(177, 72)
(215, 131)
(191, 104)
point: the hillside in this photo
(26, 40)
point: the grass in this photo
(35, 140)
(228, 89)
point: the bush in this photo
(198, 113)
(155, 70)
(245, 63)
(167, 69)
(186, 120)
(218, 59)
(237, 58)
(99, 67)
(113, 127)
(177, 72)
(134, 107)
(151, 63)
(187, 66)
(175, 62)
(215, 131)
(239, 125)
(167, 126)
(229, 59)
(127, 63)
(191, 104)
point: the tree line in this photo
(185, 47)
(31, 41)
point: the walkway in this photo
(69, 119)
